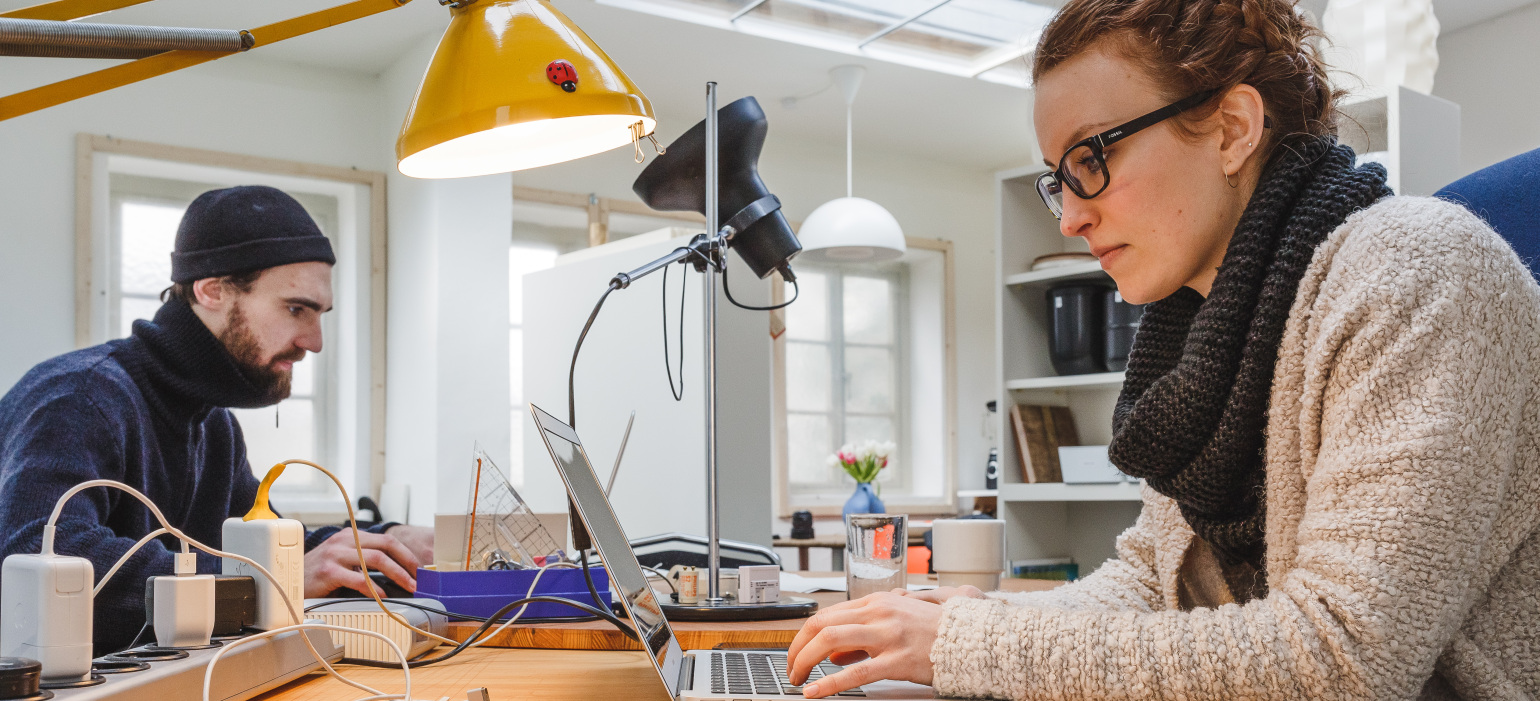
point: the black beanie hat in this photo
(239, 229)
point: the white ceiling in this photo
(900, 109)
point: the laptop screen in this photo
(625, 572)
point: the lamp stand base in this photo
(730, 610)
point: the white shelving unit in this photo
(1416, 137)
(1053, 492)
(1048, 520)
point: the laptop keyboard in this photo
(763, 673)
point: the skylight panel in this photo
(986, 39)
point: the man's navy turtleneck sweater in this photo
(150, 411)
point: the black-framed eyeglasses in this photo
(1084, 166)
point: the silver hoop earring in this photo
(1227, 182)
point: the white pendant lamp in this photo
(850, 229)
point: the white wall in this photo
(447, 338)
(1489, 69)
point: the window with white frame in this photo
(844, 347)
(865, 357)
(326, 416)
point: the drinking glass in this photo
(876, 548)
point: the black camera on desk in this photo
(1090, 328)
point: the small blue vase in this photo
(864, 501)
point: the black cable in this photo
(678, 396)
(663, 576)
(588, 579)
(484, 627)
(796, 292)
(572, 372)
(138, 635)
(453, 615)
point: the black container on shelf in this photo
(1076, 329)
(802, 525)
(1122, 324)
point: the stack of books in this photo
(1055, 568)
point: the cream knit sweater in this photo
(1403, 496)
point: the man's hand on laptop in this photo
(881, 636)
(334, 563)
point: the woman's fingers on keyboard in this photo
(847, 678)
(798, 661)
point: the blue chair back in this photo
(1507, 196)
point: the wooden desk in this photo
(556, 675)
(547, 675)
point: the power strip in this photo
(365, 614)
(242, 673)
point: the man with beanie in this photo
(251, 278)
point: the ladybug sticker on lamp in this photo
(562, 73)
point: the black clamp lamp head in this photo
(676, 181)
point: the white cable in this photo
(359, 546)
(50, 529)
(115, 566)
(208, 672)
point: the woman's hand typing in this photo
(886, 635)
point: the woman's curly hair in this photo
(1189, 46)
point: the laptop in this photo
(689, 675)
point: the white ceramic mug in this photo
(968, 551)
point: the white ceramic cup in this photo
(968, 551)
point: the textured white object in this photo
(1384, 43)
(968, 551)
(850, 229)
(277, 544)
(45, 613)
(184, 610)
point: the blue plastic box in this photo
(483, 593)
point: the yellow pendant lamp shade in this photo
(514, 84)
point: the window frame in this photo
(839, 346)
(95, 279)
(946, 503)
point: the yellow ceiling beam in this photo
(62, 10)
(117, 76)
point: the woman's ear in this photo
(1241, 116)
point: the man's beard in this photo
(274, 384)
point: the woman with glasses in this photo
(1332, 399)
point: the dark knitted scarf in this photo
(188, 367)
(1192, 412)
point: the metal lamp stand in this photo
(709, 251)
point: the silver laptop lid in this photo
(625, 571)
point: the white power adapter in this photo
(184, 605)
(45, 613)
(277, 544)
(365, 614)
